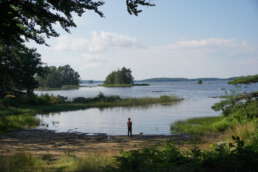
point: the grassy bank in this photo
(123, 85)
(203, 125)
(233, 156)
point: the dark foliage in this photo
(25, 20)
(34, 19)
(23, 100)
(232, 157)
(100, 97)
(18, 66)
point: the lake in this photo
(156, 119)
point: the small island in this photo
(199, 81)
(121, 78)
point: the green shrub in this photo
(223, 124)
(22, 100)
(232, 157)
(80, 100)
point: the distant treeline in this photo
(182, 79)
(57, 77)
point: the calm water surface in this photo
(148, 120)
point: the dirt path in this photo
(37, 141)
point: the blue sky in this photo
(176, 38)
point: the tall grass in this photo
(21, 162)
(204, 125)
(25, 162)
(135, 101)
(12, 122)
(245, 131)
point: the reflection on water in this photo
(149, 119)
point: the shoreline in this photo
(40, 141)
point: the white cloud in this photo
(210, 42)
(101, 53)
(98, 42)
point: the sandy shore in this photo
(40, 141)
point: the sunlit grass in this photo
(22, 162)
(12, 122)
(203, 125)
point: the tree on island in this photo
(121, 76)
(58, 77)
(34, 20)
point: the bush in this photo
(224, 124)
(232, 157)
(80, 100)
(99, 98)
(32, 100)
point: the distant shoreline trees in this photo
(121, 76)
(57, 77)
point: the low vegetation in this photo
(14, 122)
(67, 163)
(233, 156)
(226, 157)
(204, 125)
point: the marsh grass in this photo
(203, 125)
(136, 101)
(13, 122)
(21, 162)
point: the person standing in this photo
(129, 126)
